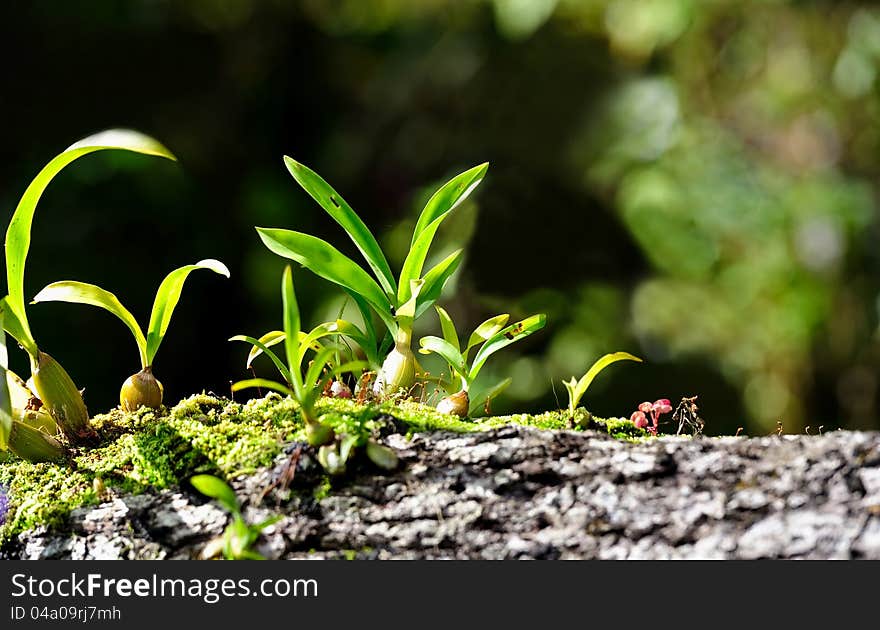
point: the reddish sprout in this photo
(646, 407)
(661, 406)
(638, 418)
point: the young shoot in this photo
(239, 537)
(141, 389)
(398, 302)
(304, 390)
(577, 388)
(29, 433)
(52, 384)
(491, 336)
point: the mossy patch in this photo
(204, 434)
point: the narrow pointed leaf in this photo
(342, 213)
(322, 358)
(449, 196)
(83, 293)
(487, 330)
(292, 328)
(415, 259)
(268, 340)
(13, 324)
(406, 314)
(447, 351)
(262, 383)
(166, 300)
(326, 261)
(18, 234)
(264, 349)
(436, 279)
(509, 335)
(217, 489)
(584, 383)
(448, 328)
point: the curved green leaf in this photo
(447, 351)
(82, 293)
(264, 349)
(487, 330)
(268, 340)
(509, 335)
(217, 489)
(448, 327)
(14, 326)
(436, 279)
(326, 261)
(18, 234)
(449, 196)
(342, 213)
(292, 326)
(262, 382)
(577, 390)
(415, 259)
(167, 297)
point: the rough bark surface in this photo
(524, 493)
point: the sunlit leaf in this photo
(436, 279)
(166, 299)
(18, 234)
(342, 213)
(479, 396)
(326, 261)
(292, 327)
(577, 390)
(83, 293)
(5, 398)
(486, 330)
(264, 349)
(448, 327)
(447, 351)
(509, 335)
(261, 383)
(217, 489)
(449, 196)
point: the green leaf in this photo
(342, 213)
(486, 330)
(415, 259)
(480, 396)
(316, 367)
(166, 299)
(447, 351)
(309, 341)
(504, 338)
(362, 339)
(292, 327)
(326, 261)
(268, 340)
(448, 327)
(264, 349)
(406, 314)
(18, 234)
(264, 383)
(217, 489)
(5, 398)
(449, 196)
(15, 327)
(82, 293)
(577, 390)
(436, 279)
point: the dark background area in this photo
(694, 184)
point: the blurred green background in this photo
(694, 182)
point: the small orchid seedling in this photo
(654, 410)
(397, 302)
(577, 388)
(27, 432)
(304, 390)
(141, 389)
(51, 383)
(491, 336)
(239, 537)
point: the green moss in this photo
(202, 433)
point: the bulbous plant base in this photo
(319, 434)
(62, 400)
(398, 372)
(458, 404)
(141, 390)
